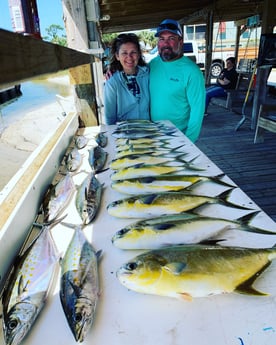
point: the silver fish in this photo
(97, 158)
(166, 203)
(182, 228)
(81, 141)
(79, 284)
(28, 287)
(73, 160)
(88, 198)
(57, 198)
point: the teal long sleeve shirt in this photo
(177, 94)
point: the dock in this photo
(251, 166)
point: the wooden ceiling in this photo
(126, 15)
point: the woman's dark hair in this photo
(115, 65)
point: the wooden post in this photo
(268, 22)
(81, 77)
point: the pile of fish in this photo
(183, 257)
(36, 267)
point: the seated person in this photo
(226, 80)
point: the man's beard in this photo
(167, 54)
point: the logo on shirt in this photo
(174, 79)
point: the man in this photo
(227, 80)
(177, 89)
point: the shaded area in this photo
(251, 166)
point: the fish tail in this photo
(217, 179)
(224, 199)
(245, 224)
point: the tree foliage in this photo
(55, 35)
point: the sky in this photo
(49, 12)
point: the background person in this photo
(227, 80)
(126, 94)
(177, 87)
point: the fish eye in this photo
(131, 266)
(122, 232)
(78, 317)
(12, 324)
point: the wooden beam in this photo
(24, 57)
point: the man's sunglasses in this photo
(167, 26)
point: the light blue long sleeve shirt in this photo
(177, 91)
(119, 102)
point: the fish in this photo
(144, 170)
(97, 158)
(158, 204)
(28, 286)
(79, 284)
(150, 126)
(147, 150)
(88, 198)
(142, 133)
(144, 141)
(163, 183)
(81, 141)
(193, 271)
(146, 159)
(142, 145)
(73, 160)
(101, 139)
(182, 228)
(57, 198)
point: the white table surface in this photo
(128, 318)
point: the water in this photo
(35, 94)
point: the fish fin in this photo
(148, 199)
(99, 254)
(175, 267)
(164, 226)
(186, 296)
(217, 179)
(245, 225)
(224, 196)
(247, 288)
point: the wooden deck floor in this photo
(251, 166)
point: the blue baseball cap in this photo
(169, 25)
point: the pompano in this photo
(57, 198)
(151, 205)
(28, 287)
(144, 170)
(163, 183)
(190, 271)
(182, 228)
(97, 158)
(79, 284)
(88, 198)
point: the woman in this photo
(126, 93)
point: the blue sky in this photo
(49, 11)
